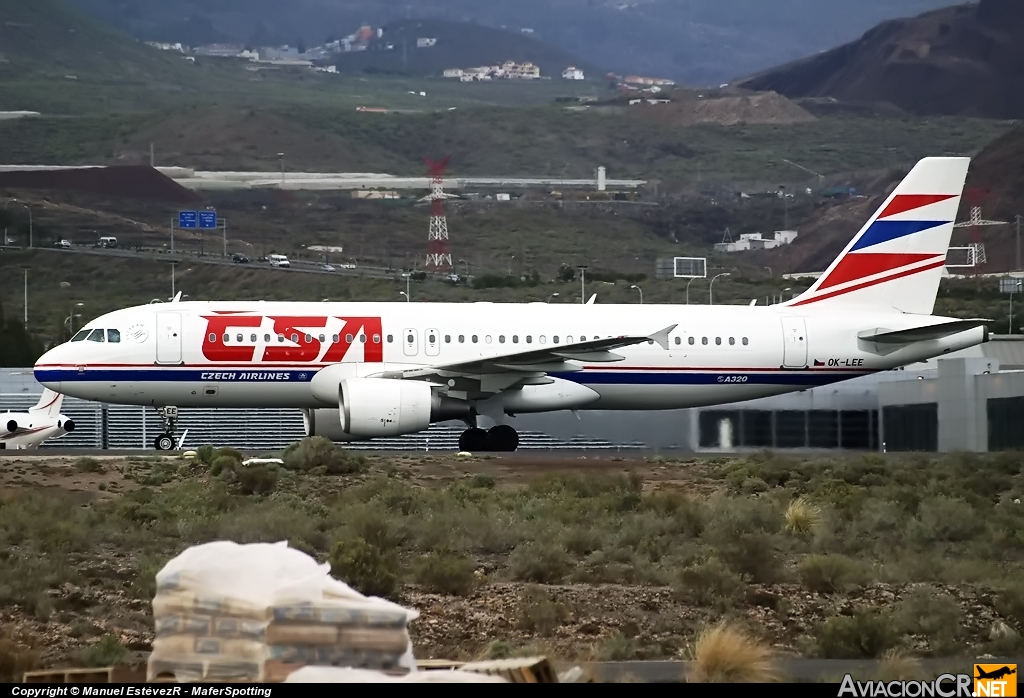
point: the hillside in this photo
(964, 60)
(697, 42)
(47, 36)
(459, 45)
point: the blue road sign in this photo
(207, 219)
(186, 219)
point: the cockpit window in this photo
(113, 336)
(80, 336)
(95, 336)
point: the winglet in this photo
(661, 337)
(177, 297)
(592, 299)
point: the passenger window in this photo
(679, 340)
(335, 338)
(266, 338)
(555, 339)
(515, 339)
(568, 339)
(432, 339)
(85, 333)
(529, 339)
(693, 340)
(501, 339)
(280, 338)
(239, 338)
(732, 340)
(718, 340)
(543, 340)
(744, 341)
(295, 338)
(349, 338)
(704, 340)
(322, 338)
(362, 338)
(391, 338)
(96, 336)
(462, 338)
(486, 339)
(252, 338)
(447, 339)
(213, 337)
(113, 336)
(376, 339)
(227, 338)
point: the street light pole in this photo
(583, 283)
(25, 268)
(641, 293)
(711, 287)
(280, 157)
(1018, 242)
(692, 279)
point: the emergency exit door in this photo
(794, 330)
(168, 338)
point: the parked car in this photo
(326, 267)
(63, 244)
(240, 258)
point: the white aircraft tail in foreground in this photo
(364, 370)
(19, 430)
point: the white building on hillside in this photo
(572, 73)
(425, 42)
(754, 241)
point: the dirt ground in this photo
(598, 620)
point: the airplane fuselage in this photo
(266, 354)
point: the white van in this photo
(278, 260)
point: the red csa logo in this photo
(299, 344)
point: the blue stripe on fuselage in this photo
(806, 378)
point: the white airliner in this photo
(365, 370)
(41, 422)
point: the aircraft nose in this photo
(48, 369)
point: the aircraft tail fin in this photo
(897, 258)
(49, 404)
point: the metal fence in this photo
(103, 426)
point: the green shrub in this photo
(829, 574)
(107, 651)
(446, 573)
(709, 583)
(1009, 603)
(88, 465)
(539, 562)
(864, 635)
(364, 567)
(537, 612)
(319, 452)
(944, 519)
(15, 660)
(228, 451)
(256, 479)
(754, 556)
(223, 465)
(932, 614)
(206, 454)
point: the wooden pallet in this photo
(524, 670)
(110, 674)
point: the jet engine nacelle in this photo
(66, 425)
(372, 407)
(12, 426)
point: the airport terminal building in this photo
(972, 400)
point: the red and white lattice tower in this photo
(439, 256)
(975, 196)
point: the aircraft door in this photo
(794, 332)
(433, 340)
(410, 340)
(168, 338)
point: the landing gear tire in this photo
(164, 442)
(473, 440)
(502, 438)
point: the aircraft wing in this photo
(558, 357)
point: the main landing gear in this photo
(165, 441)
(498, 438)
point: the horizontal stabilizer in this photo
(920, 334)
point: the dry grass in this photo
(726, 654)
(896, 666)
(802, 517)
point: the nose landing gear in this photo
(165, 441)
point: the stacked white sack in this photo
(231, 612)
